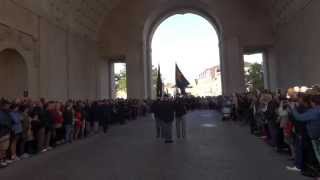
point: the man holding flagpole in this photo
(155, 108)
(180, 109)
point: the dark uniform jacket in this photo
(180, 109)
(155, 109)
(166, 110)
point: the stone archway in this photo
(127, 30)
(154, 22)
(13, 74)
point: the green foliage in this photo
(154, 76)
(154, 79)
(121, 81)
(254, 77)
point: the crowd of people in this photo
(30, 127)
(288, 121)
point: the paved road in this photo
(213, 151)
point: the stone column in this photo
(270, 70)
(148, 73)
(103, 76)
(112, 87)
(137, 81)
(232, 66)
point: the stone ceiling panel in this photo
(80, 16)
(283, 11)
(85, 16)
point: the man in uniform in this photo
(166, 111)
(181, 111)
(155, 109)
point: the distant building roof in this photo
(247, 64)
(210, 73)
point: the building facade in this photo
(208, 83)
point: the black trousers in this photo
(105, 126)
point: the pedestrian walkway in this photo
(214, 150)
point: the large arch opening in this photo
(13, 74)
(190, 39)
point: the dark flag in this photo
(159, 84)
(181, 82)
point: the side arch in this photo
(13, 74)
(32, 69)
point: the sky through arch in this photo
(188, 40)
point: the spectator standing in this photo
(5, 130)
(68, 123)
(27, 135)
(16, 132)
(312, 120)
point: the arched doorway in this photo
(13, 74)
(152, 28)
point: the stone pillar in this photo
(137, 82)
(103, 76)
(270, 70)
(232, 66)
(112, 86)
(148, 73)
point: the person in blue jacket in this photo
(312, 119)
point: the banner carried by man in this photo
(181, 81)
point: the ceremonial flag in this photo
(181, 82)
(159, 84)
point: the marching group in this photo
(167, 110)
(290, 122)
(29, 127)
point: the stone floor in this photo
(213, 151)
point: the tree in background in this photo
(159, 84)
(254, 77)
(121, 81)
(154, 80)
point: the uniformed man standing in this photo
(155, 109)
(166, 112)
(181, 110)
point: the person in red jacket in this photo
(78, 123)
(57, 116)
